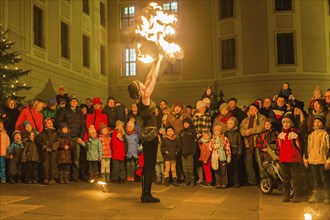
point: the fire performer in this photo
(146, 107)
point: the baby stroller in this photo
(273, 178)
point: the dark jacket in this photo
(74, 119)
(235, 141)
(239, 114)
(276, 114)
(64, 156)
(10, 120)
(170, 148)
(15, 149)
(30, 152)
(188, 140)
(110, 112)
(48, 139)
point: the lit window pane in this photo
(166, 6)
(174, 5)
(131, 10)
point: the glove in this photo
(228, 159)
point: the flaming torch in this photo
(156, 29)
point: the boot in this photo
(66, 177)
(200, 175)
(61, 177)
(146, 196)
(286, 195)
(103, 177)
(107, 177)
(166, 181)
(175, 182)
(90, 177)
(296, 197)
(314, 197)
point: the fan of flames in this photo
(157, 27)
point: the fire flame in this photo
(157, 27)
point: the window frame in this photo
(103, 14)
(38, 28)
(282, 3)
(131, 20)
(232, 63)
(103, 59)
(285, 48)
(65, 43)
(85, 7)
(128, 72)
(171, 10)
(230, 8)
(86, 51)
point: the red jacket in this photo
(289, 146)
(117, 147)
(31, 115)
(95, 119)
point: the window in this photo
(127, 17)
(283, 5)
(65, 46)
(86, 62)
(285, 48)
(228, 54)
(170, 7)
(102, 14)
(226, 8)
(128, 62)
(85, 4)
(102, 60)
(38, 29)
(172, 68)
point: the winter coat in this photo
(235, 141)
(132, 145)
(318, 147)
(74, 119)
(201, 123)
(15, 150)
(63, 155)
(30, 152)
(276, 114)
(31, 115)
(205, 151)
(4, 142)
(48, 139)
(170, 148)
(222, 121)
(239, 114)
(188, 139)
(10, 120)
(117, 147)
(106, 149)
(216, 148)
(95, 119)
(289, 146)
(175, 120)
(159, 157)
(258, 127)
(94, 149)
(49, 113)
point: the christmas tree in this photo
(9, 71)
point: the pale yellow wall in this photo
(47, 63)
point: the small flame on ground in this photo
(307, 216)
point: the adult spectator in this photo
(208, 93)
(120, 111)
(327, 101)
(62, 95)
(10, 116)
(189, 109)
(318, 107)
(222, 117)
(250, 128)
(74, 118)
(142, 95)
(89, 103)
(83, 108)
(277, 112)
(316, 95)
(236, 112)
(109, 110)
(33, 115)
(300, 119)
(50, 110)
(266, 107)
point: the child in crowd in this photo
(317, 158)
(64, 153)
(290, 157)
(286, 91)
(170, 149)
(94, 152)
(236, 146)
(105, 138)
(132, 150)
(48, 142)
(221, 155)
(118, 153)
(27, 130)
(204, 146)
(4, 144)
(140, 163)
(160, 165)
(189, 144)
(30, 159)
(267, 138)
(14, 153)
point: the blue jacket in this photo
(94, 149)
(15, 149)
(133, 145)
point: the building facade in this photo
(247, 49)
(63, 42)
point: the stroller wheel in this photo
(292, 188)
(266, 186)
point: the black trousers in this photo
(295, 172)
(31, 170)
(150, 153)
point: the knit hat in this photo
(91, 129)
(52, 102)
(224, 105)
(189, 106)
(161, 129)
(321, 118)
(188, 120)
(299, 105)
(206, 100)
(48, 119)
(255, 104)
(63, 125)
(73, 97)
(102, 126)
(61, 88)
(96, 101)
(25, 123)
(200, 104)
(288, 117)
(83, 106)
(169, 127)
(16, 132)
(178, 104)
(232, 99)
(61, 100)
